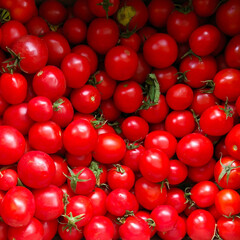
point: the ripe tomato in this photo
(232, 52)
(49, 228)
(160, 50)
(37, 26)
(8, 179)
(18, 207)
(178, 172)
(205, 8)
(176, 198)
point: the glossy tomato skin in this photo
(49, 203)
(13, 87)
(18, 207)
(8, 179)
(160, 50)
(230, 10)
(231, 177)
(134, 228)
(176, 198)
(200, 225)
(100, 227)
(85, 99)
(49, 82)
(12, 145)
(232, 52)
(82, 11)
(58, 47)
(110, 148)
(154, 165)
(76, 69)
(205, 8)
(33, 52)
(215, 122)
(49, 229)
(178, 172)
(3, 230)
(79, 137)
(162, 140)
(149, 194)
(204, 193)
(165, 217)
(227, 84)
(227, 202)
(228, 228)
(42, 169)
(34, 230)
(134, 42)
(121, 63)
(120, 200)
(194, 150)
(46, 137)
(232, 142)
(102, 35)
(37, 26)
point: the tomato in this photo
(202, 173)
(154, 165)
(202, 101)
(62, 112)
(3, 105)
(227, 84)
(37, 26)
(227, 202)
(48, 202)
(36, 169)
(34, 230)
(194, 150)
(180, 25)
(18, 207)
(180, 123)
(216, 120)
(53, 12)
(120, 177)
(121, 63)
(82, 11)
(227, 173)
(109, 110)
(50, 229)
(40, 109)
(61, 170)
(21, 11)
(232, 142)
(75, 30)
(87, 52)
(97, 7)
(100, 227)
(200, 225)
(132, 14)
(229, 13)
(119, 201)
(178, 172)
(58, 47)
(149, 194)
(232, 52)
(160, 50)
(165, 217)
(134, 128)
(8, 179)
(166, 77)
(162, 140)
(79, 137)
(66, 234)
(13, 87)
(204, 193)
(17, 117)
(98, 199)
(11, 31)
(134, 228)
(134, 41)
(76, 69)
(102, 35)
(205, 8)
(159, 11)
(31, 52)
(81, 180)
(204, 40)
(179, 97)
(85, 99)
(228, 228)
(3, 230)
(197, 72)
(12, 145)
(49, 82)
(110, 148)
(46, 137)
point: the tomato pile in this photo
(120, 119)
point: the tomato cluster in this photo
(119, 119)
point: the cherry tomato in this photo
(178, 172)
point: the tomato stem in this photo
(105, 4)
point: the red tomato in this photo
(205, 8)
(37, 26)
(232, 52)
(82, 11)
(178, 172)
(8, 179)
(176, 198)
(50, 229)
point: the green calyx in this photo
(228, 110)
(57, 104)
(94, 167)
(72, 221)
(4, 15)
